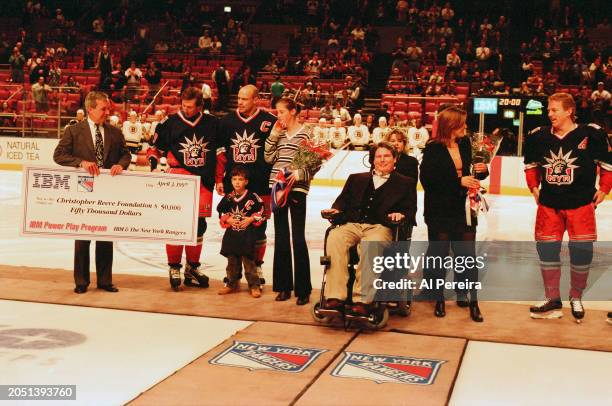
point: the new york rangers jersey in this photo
(242, 141)
(567, 167)
(190, 144)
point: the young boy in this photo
(240, 212)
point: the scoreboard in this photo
(505, 112)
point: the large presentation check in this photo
(134, 206)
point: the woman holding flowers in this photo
(286, 140)
(446, 176)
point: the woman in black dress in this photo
(446, 178)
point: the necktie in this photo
(99, 147)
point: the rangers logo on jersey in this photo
(560, 168)
(271, 357)
(244, 148)
(194, 152)
(386, 368)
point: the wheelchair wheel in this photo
(379, 319)
(317, 316)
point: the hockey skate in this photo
(175, 277)
(577, 309)
(609, 319)
(195, 277)
(548, 309)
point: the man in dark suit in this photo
(368, 205)
(92, 144)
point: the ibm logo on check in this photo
(49, 181)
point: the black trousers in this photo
(463, 244)
(104, 262)
(283, 278)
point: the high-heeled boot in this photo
(475, 313)
(440, 309)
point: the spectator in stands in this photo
(17, 62)
(73, 85)
(327, 112)
(584, 105)
(221, 77)
(601, 104)
(244, 77)
(161, 46)
(40, 95)
(104, 64)
(453, 61)
(483, 54)
(216, 46)
(133, 76)
(98, 27)
(277, 89)
(205, 43)
(153, 78)
(525, 90)
(398, 54)
(55, 74)
(206, 97)
(340, 112)
(187, 80)
(357, 94)
(8, 118)
(313, 67)
(358, 134)
(414, 54)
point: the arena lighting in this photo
(227, 9)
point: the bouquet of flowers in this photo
(484, 149)
(485, 146)
(308, 158)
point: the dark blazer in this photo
(77, 145)
(399, 198)
(408, 166)
(444, 195)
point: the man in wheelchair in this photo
(367, 209)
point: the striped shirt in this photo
(280, 150)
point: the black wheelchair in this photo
(379, 311)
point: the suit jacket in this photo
(408, 166)
(400, 197)
(77, 145)
(444, 195)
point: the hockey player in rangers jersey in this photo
(242, 135)
(561, 164)
(189, 139)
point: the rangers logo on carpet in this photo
(272, 357)
(388, 368)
